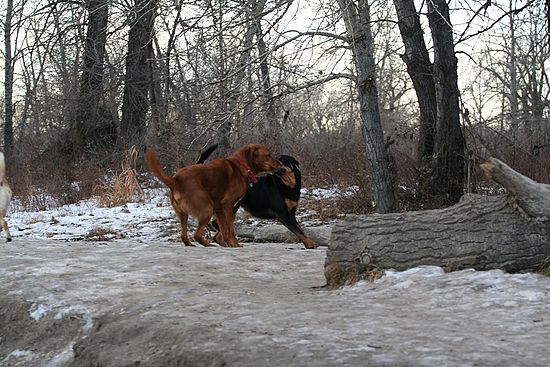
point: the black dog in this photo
(275, 196)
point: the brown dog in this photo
(202, 190)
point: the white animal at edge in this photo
(5, 196)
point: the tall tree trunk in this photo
(357, 20)
(92, 130)
(158, 132)
(136, 82)
(271, 129)
(448, 160)
(161, 84)
(8, 82)
(512, 68)
(225, 115)
(240, 84)
(419, 67)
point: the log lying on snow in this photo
(509, 232)
(279, 233)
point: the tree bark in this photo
(137, 79)
(93, 129)
(419, 68)
(509, 232)
(8, 82)
(271, 129)
(447, 182)
(238, 93)
(357, 20)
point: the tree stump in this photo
(509, 232)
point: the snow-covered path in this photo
(119, 302)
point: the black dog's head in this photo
(290, 162)
(290, 174)
(290, 166)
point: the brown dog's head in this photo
(258, 158)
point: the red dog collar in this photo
(251, 176)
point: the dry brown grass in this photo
(338, 275)
(545, 267)
(103, 234)
(351, 201)
(124, 186)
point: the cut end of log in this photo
(339, 274)
(488, 167)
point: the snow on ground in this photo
(86, 220)
(419, 317)
(152, 220)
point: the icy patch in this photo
(62, 358)
(21, 355)
(327, 193)
(37, 311)
(81, 311)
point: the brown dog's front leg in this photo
(222, 235)
(231, 227)
(218, 238)
(225, 218)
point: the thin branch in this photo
(309, 33)
(312, 83)
(514, 11)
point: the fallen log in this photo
(509, 232)
(279, 233)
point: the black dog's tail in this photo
(206, 153)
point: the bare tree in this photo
(245, 70)
(419, 67)
(8, 81)
(441, 142)
(357, 20)
(512, 75)
(93, 130)
(448, 159)
(137, 79)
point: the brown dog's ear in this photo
(251, 153)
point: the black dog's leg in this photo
(288, 219)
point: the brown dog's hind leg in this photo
(199, 237)
(199, 233)
(183, 222)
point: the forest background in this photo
(400, 99)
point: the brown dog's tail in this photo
(154, 168)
